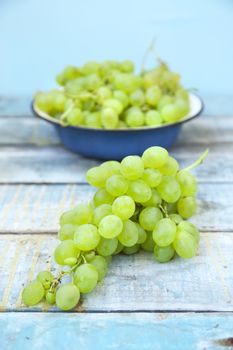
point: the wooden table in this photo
(141, 304)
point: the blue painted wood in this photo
(116, 331)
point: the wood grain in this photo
(36, 208)
(134, 282)
(116, 331)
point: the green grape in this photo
(182, 94)
(139, 191)
(122, 97)
(33, 293)
(89, 255)
(124, 207)
(67, 297)
(151, 78)
(92, 120)
(188, 184)
(109, 118)
(50, 297)
(187, 207)
(75, 117)
(90, 67)
(129, 235)
(104, 93)
(170, 113)
(176, 218)
(155, 157)
(114, 104)
(101, 265)
(170, 167)
(164, 101)
(153, 95)
(59, 101)
(164, 232)
(44, 102)
(111, 167)
(66, 232)
(46, 278)
(102, 197)
(107, 247)
(96, 176)
(69, 73)
(185, 244)
(182, 107)
(132, 167)
(154, 200)
(100, 212)
(110, 226)
(149, 217)
(126, 82)
(86, 237)
(66, 249)
(81, 214)
(190, 228)
(86, 277)
(116, 185)
(127, 66)
(93, 82)
(163, 254)
(131, 250)
(119, 248)
(149, 243)
(142, 236)
(169, 189)
(134, 117)
(152, 177)
(153, 118)
(137, 98)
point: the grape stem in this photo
(164, 210)
(199, 161)
(149, 50)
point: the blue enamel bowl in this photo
(118, 143)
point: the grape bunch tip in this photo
(141, 203)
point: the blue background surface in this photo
(39, 37)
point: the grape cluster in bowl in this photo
(110, 95)
(141, 203)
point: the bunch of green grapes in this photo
(110, 95)
(141, 203)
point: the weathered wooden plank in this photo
(134, 283)
(36, 208)
(20, 105)
(116, 331)
(33, 131)
(57, 165)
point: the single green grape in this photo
(170, 167)
(187, 207)
(102, 197)
(81, 214)
(127, 66)
(110, 226)
(153, 95)
(86, 277)
(50, 297)
(176, 218)
(190, 228)
(188, 183)
(164, 232)
(124, 207)
(89, 255)
(97, 176)
(129, 235)
(152, 177)
(122, 97)
(155, 157)
(101, 265)
(170, 113)
(153, 118)
(131, 250)
(67, 297)
(93, 120)
(107, 247)
(132, 167)
(90, 67)
(111, 167)
(185, 244)
(86, 237)
(119, 248)
(65, 250)
(149, 217)
(74, 117)
(134, 117)
(154, 200)
(139, 191)
(100, 212)
(163, 254)
(169, 189)
(109, 118)
(46, 278)
(114, 104)
(33, 293)
(66, 232)
(142, 236)
(137, 98)
(116, 185)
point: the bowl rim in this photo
(42, 115)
